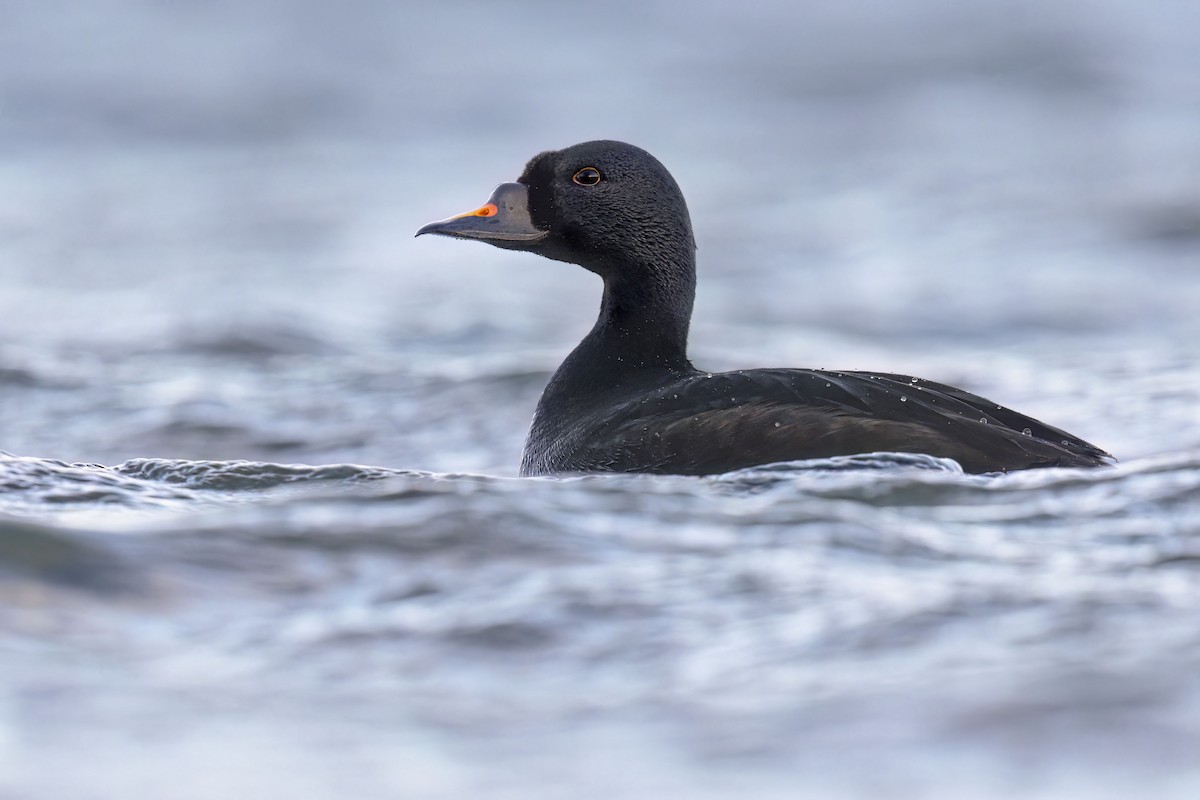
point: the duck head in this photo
(607, 206)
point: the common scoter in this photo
(627, 399)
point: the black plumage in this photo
(627, 399)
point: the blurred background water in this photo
(206, 254)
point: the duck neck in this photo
(643, 322)
(639, 337)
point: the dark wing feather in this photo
(705, 424)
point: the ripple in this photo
(46, 554)
(237, 476)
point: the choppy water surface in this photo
(209, 282)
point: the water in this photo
(210, 281)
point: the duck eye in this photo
(588, 176)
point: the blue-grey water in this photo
(208, 283)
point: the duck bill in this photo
(503, 221)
